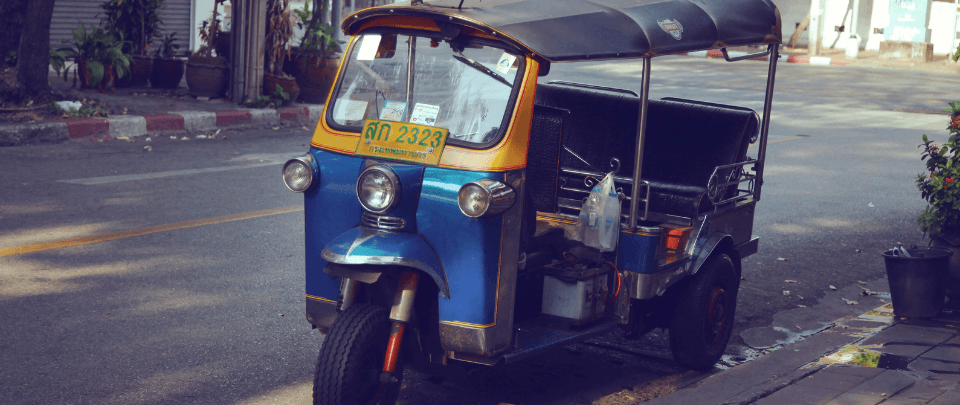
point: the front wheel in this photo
(351, 360)
(703, 317)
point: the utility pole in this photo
(816, 27)
(853, 46)
(335, 20)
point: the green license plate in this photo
(402, 141)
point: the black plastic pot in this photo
(166, 73)
(917, 283)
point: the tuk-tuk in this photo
(444, 187)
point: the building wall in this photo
(872, 14)
(68, 14)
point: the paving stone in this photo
(796, 394)
(863, 372)
(920, 392)
(857, 323)
(909, 333)
(938, 325)
(943, 353)
(951, 397)
(833, 381)
(849, 398)
(904, 349)
(954, 341)
(934, 366)
(888, 382)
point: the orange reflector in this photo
(674, 244)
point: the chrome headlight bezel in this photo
(395, 196)
(498, 197)
(308, 163)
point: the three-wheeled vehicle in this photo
(443, 186)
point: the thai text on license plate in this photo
(402, 141)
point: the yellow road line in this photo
(16, 250)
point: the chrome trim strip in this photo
(382, 221)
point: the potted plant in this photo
(138, 21)
(279, 34)
(208, 75)
(314, 62)
(98, 57)
(167, 68)
(941, 189)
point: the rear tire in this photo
(703, 317)
(351, 360)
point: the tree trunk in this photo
(28, 79)
(11, 19)
(796, 34)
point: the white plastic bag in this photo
(599, 223)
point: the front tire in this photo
(351, 360)
(703, 317)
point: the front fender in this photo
(711, 244)
(362, 245)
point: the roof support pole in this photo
(765, 124)
(641, 132)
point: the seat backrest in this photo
(685, 139)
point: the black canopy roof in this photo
(568, 30)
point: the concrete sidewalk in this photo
(871, 359)
(146, 111)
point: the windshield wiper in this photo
(476, 65)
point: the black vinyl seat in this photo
(685, 141)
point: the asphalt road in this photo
(176, 275)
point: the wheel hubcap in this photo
(716, 320)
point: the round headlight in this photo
(473, 200)
(378, 189)
(485, 198)
(298, 173)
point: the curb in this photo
(63, 129)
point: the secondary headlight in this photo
(379, 189)
(485, 198)
(299, 173)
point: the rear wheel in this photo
(351, 360)
(703, 317)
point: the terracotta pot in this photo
(208, 77)
(315, 76)
(166, 73)
(139, 75)
(288, 84)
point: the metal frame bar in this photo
(774, 50)
(641, 134)
(594, 86)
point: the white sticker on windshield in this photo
(505, 63)
(393, 110)
(368, 48)
(349, 110)
(424, 114)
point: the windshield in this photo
(462, 85)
